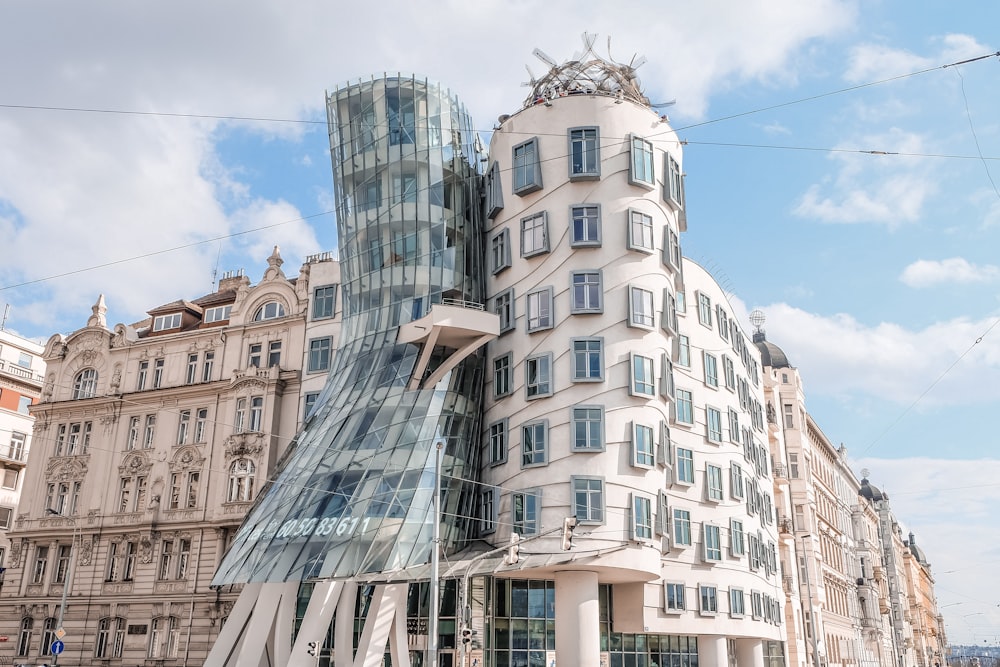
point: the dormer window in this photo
(269, 311)
(217, 314)
(164, 322)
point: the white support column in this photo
(578, 616)
(228, 643)
(259, 631)
(378, 621)
(399, 649)
(712, 650)
(343, 629)
(749, 652)
(319, 613)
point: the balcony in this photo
(20, 372)
(16, 455)
(785, 525)
(461, 326)
(780, 471)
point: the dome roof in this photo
(871, 492)
(770, 354)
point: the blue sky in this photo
(877, 273)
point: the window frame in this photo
(684, 466)
(635, 381)
(590, 150)
(535, 303)
(673, 182)
(711, 541)
(85, 384)
(683, 407)
(713, 425)
(676, 592)
(500, 258)
(645, 226)
(680, 524)
(594, 516)
(575, 421)
(528, 526)
(507, 374)
(714, 486)
(493, 187)
(498, 441)
(641, 161)
(167, 322)
(579, 217)
(540, 387)
(533, 453)
(505, 299)
(641, 507)
(324, 295)
(708, 605)
(529, 226)
(526, 168)
(643, 448)
(584, 305)
(587, 356)
(638, 319)
(315, 355)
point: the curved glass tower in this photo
(354, 493)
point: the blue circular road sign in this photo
(57, 647)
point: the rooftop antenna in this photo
(215, 271)
(6, 312)
(757, 319)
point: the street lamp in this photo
(69, 572)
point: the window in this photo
(673, 182)
(640, 308)
(534, 444)
(534, 235)
(673, 596)
(488, 510)
(640, 232)
(587, 423)
(404, 188)
(585, 226)
(713, 424)
(737, 544)
(174, 559)
(23, 403)
(15, 450)
(132, 494)
(48, 636)
(584, 153)
(324, 302)
(793, 465)
(720, 315)
(736, 481)
(500, 251)
(668, 320)
(184, 490)
(63, 552)
(110, 640)
(789, 415)
(191, 374)
(642, 518)
(41, 564)
(164, 637)
(274, 353)
(503, 306)
(643, 381)
(242, 475)
(158, 365)
(85, 384)
(255, 355)
(712, 542)
(683, 350)
(309, 403)
(684, 407)
(672, 252)
(320, 350)
(6, 516)
(757, 607)
(641, 164)
(10, 476)
(538, 376)
(217, 314)
(713, 479)
(527, 172)
(269, 311)
(183, 425)
(734, 426)
(201, 425)
(709, 596)
(705, 310)
(736, 602)
(684, 470)
(525, 512)
(149, 432)
(121, 561)
(539, 309)
(503, 375)
(587, 292)
(24, 360)
(239, 420)
(494, 191)
(711, 370)
(587, 359)
(642, 446)
(24, 636)
(256, 424)
(682, 528)
(164, 322)
(206, 366)
(498, 441)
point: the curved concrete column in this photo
(578, 627)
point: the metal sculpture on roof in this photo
(587, 73)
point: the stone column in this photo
(750, 653)
(578, 627)
(712, 650)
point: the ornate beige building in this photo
(151, 442)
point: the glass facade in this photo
(353, 494)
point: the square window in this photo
(526, 171)
(538, 306)
(588, 428)
(640, 232)
(683, 407)
(538, 376)
(684, 470)
(713, 424)
(534, 444)
(673, 182)
(711, 370)
(673, 596)
(587, 292)
(585, 226)
(525, 509)
(584, 153)
(534, 235)
(500, 251)
(643, 381)
(498, 442)
(642, 518)
(682, 528)
(404, 188)
(324, 302)
(503, 306)
(705, 309)
(503, 375)
(641, 163)
(643, 455)
(587, 359)
(588, 499)
(320, 351)
(713, 482)
(709, 596)
(640, 308)
(309, 403)
(712, 539)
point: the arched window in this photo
(48, 636)
(241, 480)
(164, 637)
(85, 385)
(24, 637)
(269, 311)
(110, 638)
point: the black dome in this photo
(770, 354)
(871, 492)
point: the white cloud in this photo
(887, 361)
(928, 273)
(875, 62)
(950, 506)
